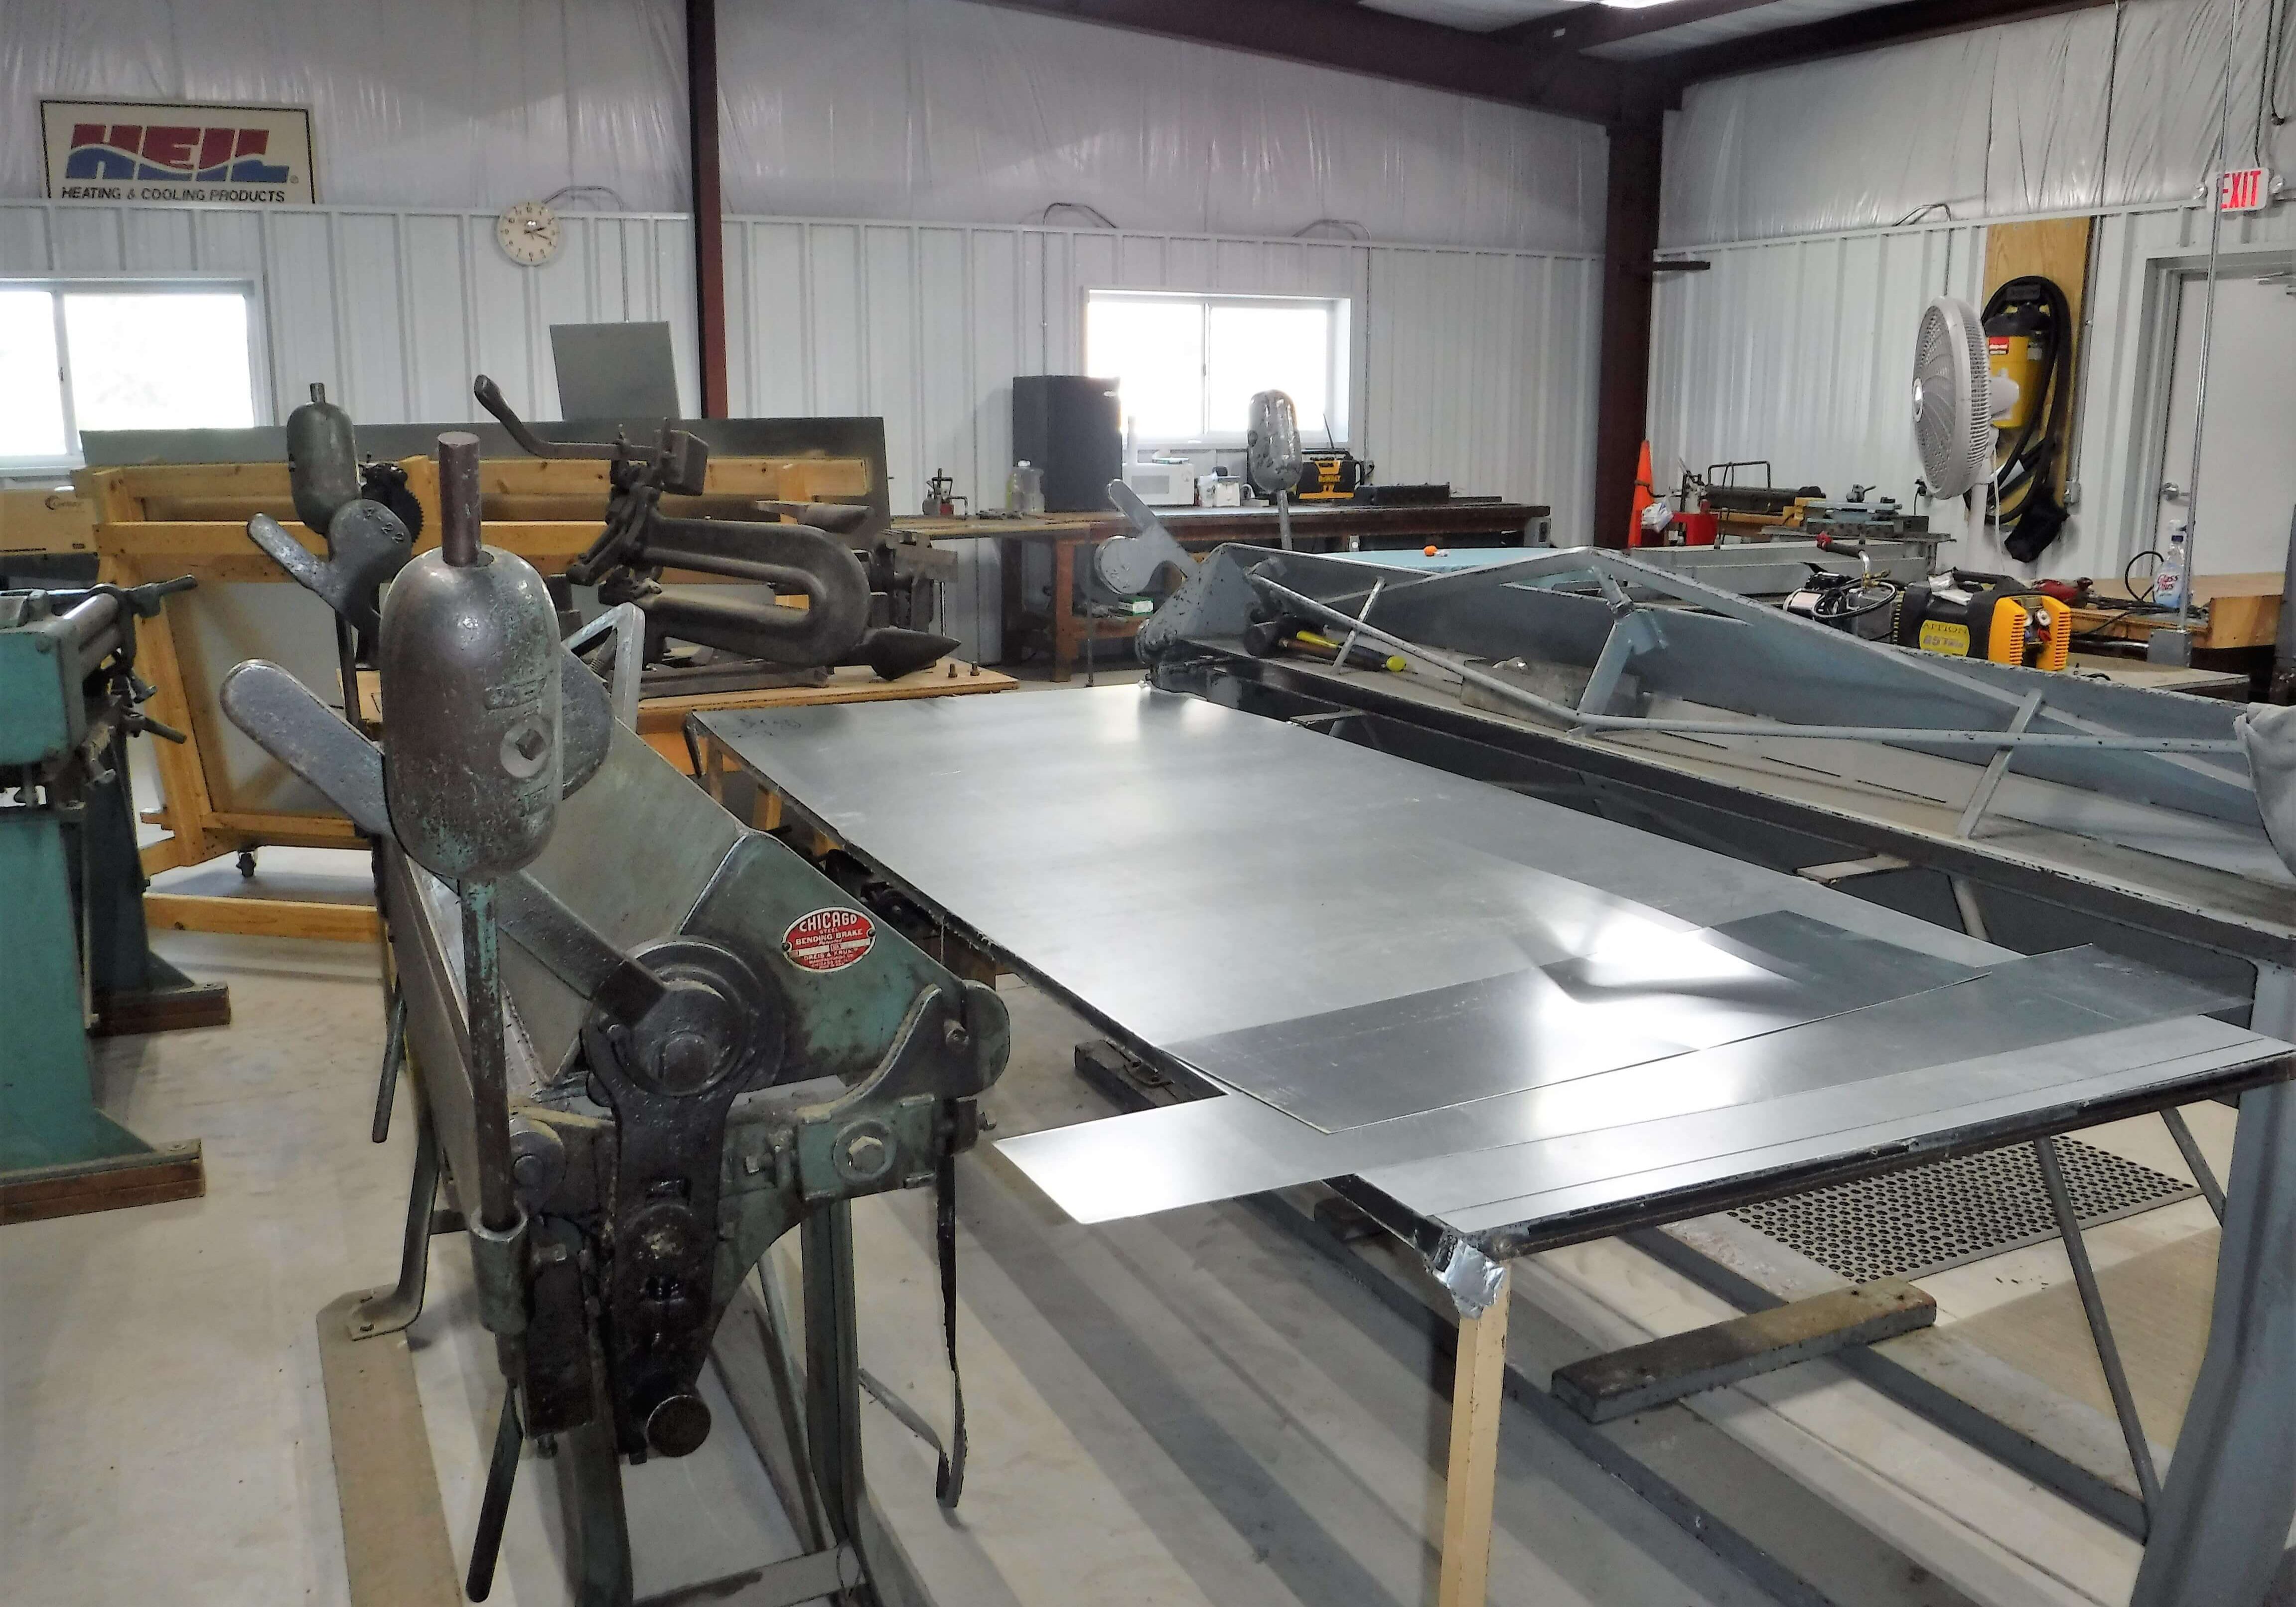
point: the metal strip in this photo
(1997, 766)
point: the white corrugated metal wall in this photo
(1800, 350)
(394, 311)
(1802, 185)
(1790, 351)
(1474, 366)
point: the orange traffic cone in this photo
(1645, 493)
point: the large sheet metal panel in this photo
(1508, 1016)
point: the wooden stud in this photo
(164, 855)
(263, 917)
(285, 830)
(1471, 1484)
(173, 1171)
(186, 806)
(396, 1549)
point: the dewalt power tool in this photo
(1332, 476)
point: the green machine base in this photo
(59, 1154)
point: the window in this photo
(1188, 366)
(119, 355)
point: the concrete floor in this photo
(1185, 1409)
(1169, 1412)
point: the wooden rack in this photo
(153, 522)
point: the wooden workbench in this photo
(2244, 611)
(1315, 527)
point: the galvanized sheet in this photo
(1184, 872)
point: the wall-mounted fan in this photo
(1954, 399)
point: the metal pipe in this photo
(1860, 734)
(93, 627)
(489, 1079)
(1349, 647)
(460, 507)
(2208, 324)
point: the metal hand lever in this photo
(294, 727)
(491, 397)
(494, 1507)
(366, 545)
(394, 1049)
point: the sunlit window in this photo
(1187, 366)
(32, 402)
(118, 358)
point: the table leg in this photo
(1011, 566)
(1478, 1392)
(2218, 1530)
(1068, 630)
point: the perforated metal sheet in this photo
(1927, 1218)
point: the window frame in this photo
(1339, 359)
(58, 286)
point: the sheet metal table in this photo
(1499, 1025)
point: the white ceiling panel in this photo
(1733, 25)
(1478, 16)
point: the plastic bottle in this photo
(1024, 488)
(2169, 580)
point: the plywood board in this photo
(2056, 249)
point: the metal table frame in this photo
(2214, 1527)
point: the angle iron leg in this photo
(2203, 1176)
(832, 1369)
(2219, 1528)
(2100, 1325)
(597, 1524)
(389, 1310)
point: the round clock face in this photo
(528, 232)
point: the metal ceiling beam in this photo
(1590, 25)
(1622, 382)
(1850, 32)
(1337, 33)
(708, 202)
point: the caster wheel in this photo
(247, 863)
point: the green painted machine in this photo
(75, 959)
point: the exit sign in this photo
(2248, 189)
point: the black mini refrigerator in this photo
(1071, 428)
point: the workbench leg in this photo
(1067, 629)
(2216, 1535)
(1477, 1391)
(1013, 594)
